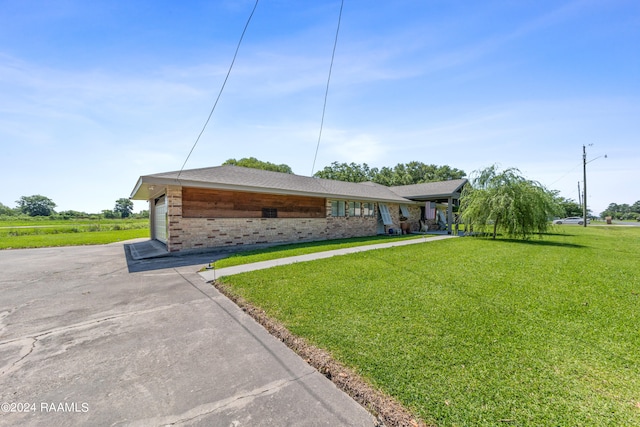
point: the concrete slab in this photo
(147, 249)
(85, 342)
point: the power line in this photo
(566, 174)
(326, 92)
(221, 88)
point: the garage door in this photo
(160, 220)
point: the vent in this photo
(269, 213)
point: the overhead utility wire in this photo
(221, 89)
(326, 92)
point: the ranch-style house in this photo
(229, 205)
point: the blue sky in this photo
(95, 94)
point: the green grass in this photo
(476, 332)
(44, 222)
(289, 250)
(35, 234)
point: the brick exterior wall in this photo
(175, 223)
(415, 215)
(195, 233)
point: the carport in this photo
(443, 192)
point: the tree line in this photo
(623, 211)
(42, 206)
(400, 174)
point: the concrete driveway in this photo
(87, 338)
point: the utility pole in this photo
(584, 198)
(584, 189)
(579, 194)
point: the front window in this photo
(355, 209)
(368, 209)
(337, 208)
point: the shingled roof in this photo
(431, 190)
(256, 180)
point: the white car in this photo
(572, 220)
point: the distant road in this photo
(618, 223)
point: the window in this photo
(337, 208)
(368, 209)
(269, 213)
(404, 211)
(354, 209)
(384, 213)
(430, 210)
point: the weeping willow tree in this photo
(505, 202)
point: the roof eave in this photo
(142, 193)
(426, 197)
(136, 190)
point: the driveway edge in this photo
(388, 411)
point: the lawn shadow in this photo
(540, 242)
(558, 234)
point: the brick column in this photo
(174, 214)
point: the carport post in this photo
(449, 214)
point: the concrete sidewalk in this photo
(210, 275)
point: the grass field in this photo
(283, 251)
(44, 233)
(476, 332)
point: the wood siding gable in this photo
(208, 203)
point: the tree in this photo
(351, 172)
(124, 206)
(36, 205)
(72, 214)
(142, 214)
(612, 211)
(106, 213)
(568, 207)
(622, 211)
(6, 210)
(401, 174)
(416, 173)
(507, 202)
(252, 162)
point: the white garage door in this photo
(160, 220)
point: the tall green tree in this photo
(124, 206)
(401, 174)
(351, 172)
(504, 201)
(417, 173)
(252, 162)
(36, 205)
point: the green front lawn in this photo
(295, 249)
(473, 331)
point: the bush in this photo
(110, 214)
